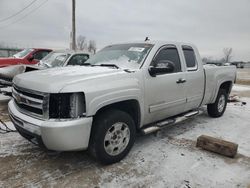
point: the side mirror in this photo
(161, 67)
(31, 57)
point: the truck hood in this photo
(9, 61)
(54, 79)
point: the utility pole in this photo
(73, 25)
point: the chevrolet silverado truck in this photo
(59, 58)
(123, 90)
(26, 56)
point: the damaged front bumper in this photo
(58, 135)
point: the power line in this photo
(20, 11)
(30, 12)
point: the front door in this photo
(165, 92)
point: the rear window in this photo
(190, 57)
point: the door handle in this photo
(180, 81)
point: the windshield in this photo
(127, 56)
(23, 53)
(55, 59)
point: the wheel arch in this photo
(130, 106)
(226, 85)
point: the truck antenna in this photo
(147, 39)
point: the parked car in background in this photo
(217, 63)
(121, 90)
(238, 64)
(58, 58)
(62, 58)
(27, 56)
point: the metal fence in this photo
(8, 52)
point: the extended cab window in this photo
(169, 54)
(190, 58)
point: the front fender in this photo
(109, 89)
(106, 99)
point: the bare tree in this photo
(227, 54)
(81, 42)
(92, 46)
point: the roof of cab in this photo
(155, 42)
(42, 49)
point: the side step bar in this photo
(170, 121)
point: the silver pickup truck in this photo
(122, 90)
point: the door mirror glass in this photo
(161, 67)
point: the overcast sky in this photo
(211, 25)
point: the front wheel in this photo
(218, 108)
(112, 136)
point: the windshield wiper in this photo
(85, 64)
(107, 65)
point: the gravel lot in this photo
(166, 159)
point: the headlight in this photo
(67, 105)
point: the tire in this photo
(112, 136)
(218, 108)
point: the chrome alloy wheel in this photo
(221, 103)
(117, 138)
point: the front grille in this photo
(30, 94)
(30, 102)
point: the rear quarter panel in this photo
(215, 76)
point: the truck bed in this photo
(216, 75)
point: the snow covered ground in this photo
(166, 159)
(238, 87)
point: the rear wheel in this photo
(112, 136)
(218, 108)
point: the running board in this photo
(170, 121)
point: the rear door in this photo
(164, 95)
(195, 78)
